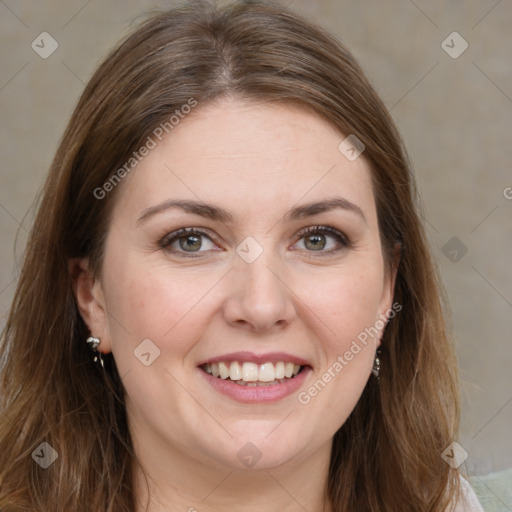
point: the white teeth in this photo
(252, 373)
(224, 370)
(235, 371)
(267, 372)
(260, 384)
(280, 370)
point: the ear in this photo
(388, 291)
(90, 301)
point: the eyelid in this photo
(341, 237)
(171, 237)
(187, 230)
(326, 230)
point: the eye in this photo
(187, 241)
(324, 239)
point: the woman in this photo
(227, 298)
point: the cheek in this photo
(346, 308)
(347, 301)
(148, 301)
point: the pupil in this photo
(195, 242)
(318, 241)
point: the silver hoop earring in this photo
(93, 343)
(376, 365)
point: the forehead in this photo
(252, 157)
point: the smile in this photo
(253, 374)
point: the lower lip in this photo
(256, 394)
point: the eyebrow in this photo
(220, 214)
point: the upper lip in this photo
(251, 357)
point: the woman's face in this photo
(282, 264)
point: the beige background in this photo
(455, 116)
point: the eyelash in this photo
(340, 237)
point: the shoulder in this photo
(468, 501)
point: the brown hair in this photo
(387, 455)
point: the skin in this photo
(257, 161)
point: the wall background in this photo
(455, 115)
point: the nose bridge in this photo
(260, 278)
(257, 295)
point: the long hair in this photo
(387, 455)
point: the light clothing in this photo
(469, 501)
(494, 490)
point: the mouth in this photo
(250, 378)
(245, 373)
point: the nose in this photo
(258, 298)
